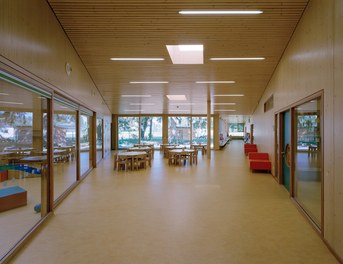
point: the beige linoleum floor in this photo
(215, 212)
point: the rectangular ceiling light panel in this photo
(149, 82)
(137, 59)
(186, 54)
(176, 97)
(237, 59)
(228, 95)
(216, 82)
(220, 12)
(136, 95)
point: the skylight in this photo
(186, 54)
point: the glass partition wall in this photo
(64, 141)
(86, 156)
(99, 139)
(23, 163)
(39, 133)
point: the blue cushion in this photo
(11, 190)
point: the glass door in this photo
(308, 162)
(286, 150)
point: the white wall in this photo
(313, 61)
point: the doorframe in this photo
(280, 157)
(291, 108)
(277, 147)
(252, 133)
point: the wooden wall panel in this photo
(32, 38)
(100, 30)
(313, 62)
(337, 238)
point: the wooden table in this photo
(149, 150)
(183, 152)
(19, 151)
(201, 147)
(166, 149)
(130, 154)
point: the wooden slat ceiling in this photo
(100, 30)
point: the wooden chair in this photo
(122, 162)
(184, 156)
(148, 158)
(141, 161)
(195, 156)
(173, 158)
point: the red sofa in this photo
(249, 148)
(259, 161)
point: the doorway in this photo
(308, 158)
(286, 150)
(299, 158)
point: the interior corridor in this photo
(215, 212)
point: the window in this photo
(236, 129)
(151, 130)
(128, 131)
(179, 130)
(199, 130)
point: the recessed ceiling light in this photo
(136, 95)
(4, 94)
(236, 59)
(228, 95)
(142, 104)
(150, 82)
(223, 103)
(137, 59)
(186, 54)
(220, 12)
(225, 110)
(176, 97)
(14, 103)
(215, 82)
(182, 104)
